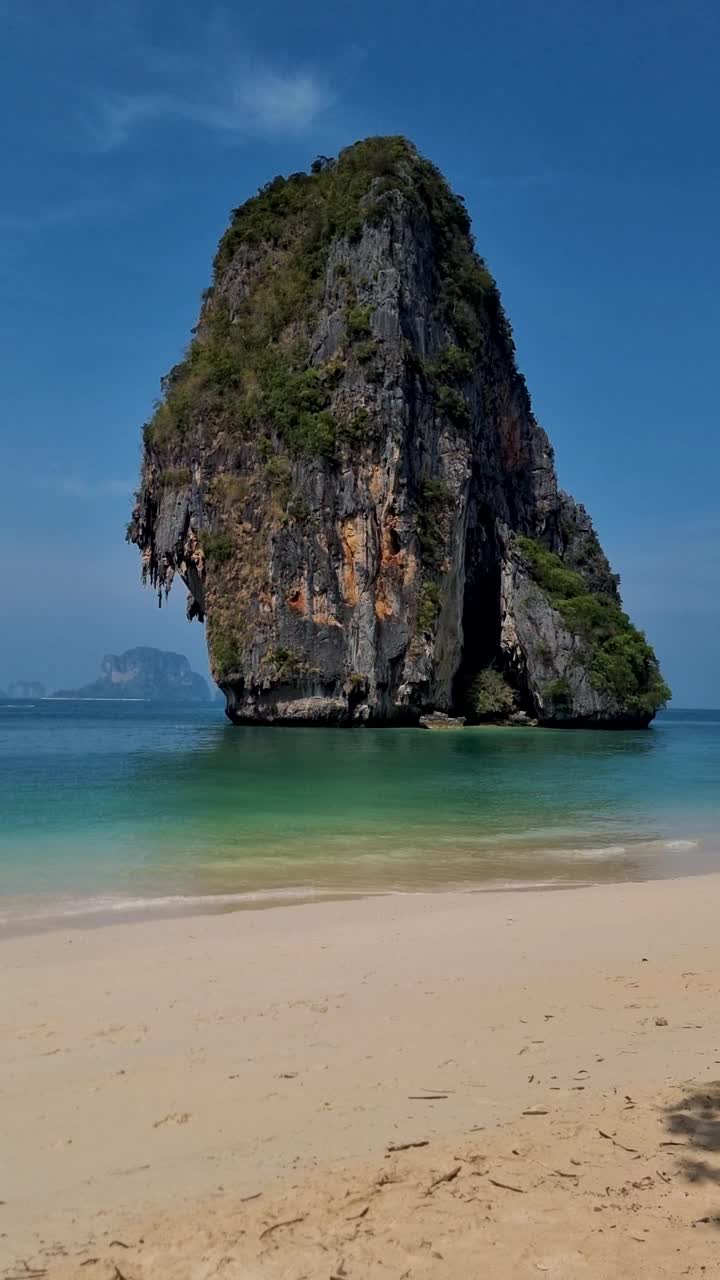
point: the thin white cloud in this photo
(77, 210)
(63, 213)
(238, 104)
(73, 486)
(76, 488)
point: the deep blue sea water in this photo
(115, 809)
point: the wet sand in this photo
(219, 1094)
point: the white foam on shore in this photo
(560, 853)
(601, 851)
(24, 912)
(640, 847)
(170, 902)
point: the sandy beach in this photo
(221, 1096)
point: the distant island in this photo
(144, 673)
(25, 689)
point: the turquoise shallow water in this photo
(122, 808)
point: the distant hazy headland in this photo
(149, 674)
(24, 689)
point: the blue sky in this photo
(584, 138)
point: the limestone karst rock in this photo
(346, 472)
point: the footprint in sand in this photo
(175, 1117)
(102, 1032)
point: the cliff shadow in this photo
(481, 609)
(693, 1123)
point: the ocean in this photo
(115, 810)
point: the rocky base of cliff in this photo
(284, 707)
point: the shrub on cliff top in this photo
(327, 201)
(240, 377)
(622, 661)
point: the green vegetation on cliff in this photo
(432, 515)
(428, 608)
(490, 697)
(225, 650)
(217, 546)
(622, 662)
(248, 374)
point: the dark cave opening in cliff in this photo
(481, 614)
(481, 628)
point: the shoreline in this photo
(46, 913)
(153, 1069)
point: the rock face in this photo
(440, 720)
(26, 689)
(146, 673)
(347, 474)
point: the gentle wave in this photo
(179, 904)
(170, 902)
(600, 851)
(639, 847)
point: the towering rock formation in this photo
(346, 472)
